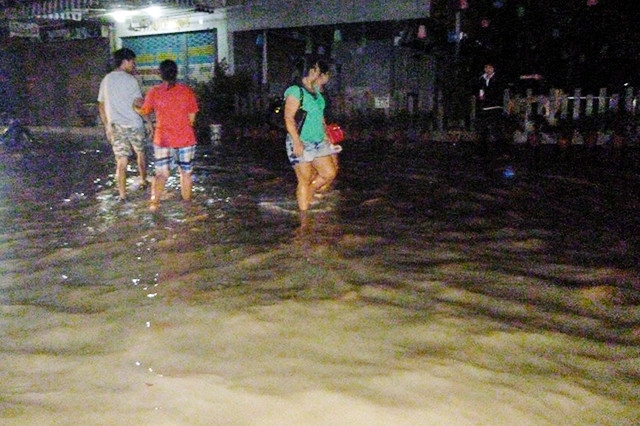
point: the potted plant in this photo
(217, 101)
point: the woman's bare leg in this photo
(326, 187)
(327, 171)
(304, 174)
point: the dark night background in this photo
(572, 43)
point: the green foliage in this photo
(217, 97)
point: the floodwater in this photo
(426, 289)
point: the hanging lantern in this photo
(459, 4)
(422, 32)
(337, 36)
(361, 46)
(260, 40)
(520, 11)
(363, 41)
(484, 23)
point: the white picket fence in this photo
(559, 106)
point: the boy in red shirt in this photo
(174, 140)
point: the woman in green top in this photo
(308, 148)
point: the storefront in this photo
(195, 40)
(194, 52)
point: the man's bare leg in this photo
(142, 168)
(121, 176)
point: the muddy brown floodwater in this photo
(426, 289)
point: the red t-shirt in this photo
(172, 107)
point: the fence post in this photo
(614, 102)
(577, 101)
(506, 96)
(602, 99)
(440, 112)
(564, 107)
(540, 100)
(588, 109)
(628, 98)
(527, 107)
(472, 117)
(553, 99)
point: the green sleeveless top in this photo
(313, 104)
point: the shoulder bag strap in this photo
(304, 113)
(301, 96)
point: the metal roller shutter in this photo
(194, 52)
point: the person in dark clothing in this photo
(490, 113)
(13, 134)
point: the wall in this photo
(367, 65)
(65, 75)
(362, 70)
(289, 22)
(59, 77)
(264, 14)
(10, 84)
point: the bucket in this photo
(216, 133)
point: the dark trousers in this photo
(490, 127)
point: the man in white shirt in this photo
(124, 127)
(490, 113)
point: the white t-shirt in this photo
(118, 90)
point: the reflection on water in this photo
(425, 289)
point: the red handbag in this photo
(335, 133)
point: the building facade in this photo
(268, 40)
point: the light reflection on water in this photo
(421, 291)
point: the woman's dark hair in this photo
(169, 71)
(322, 65)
